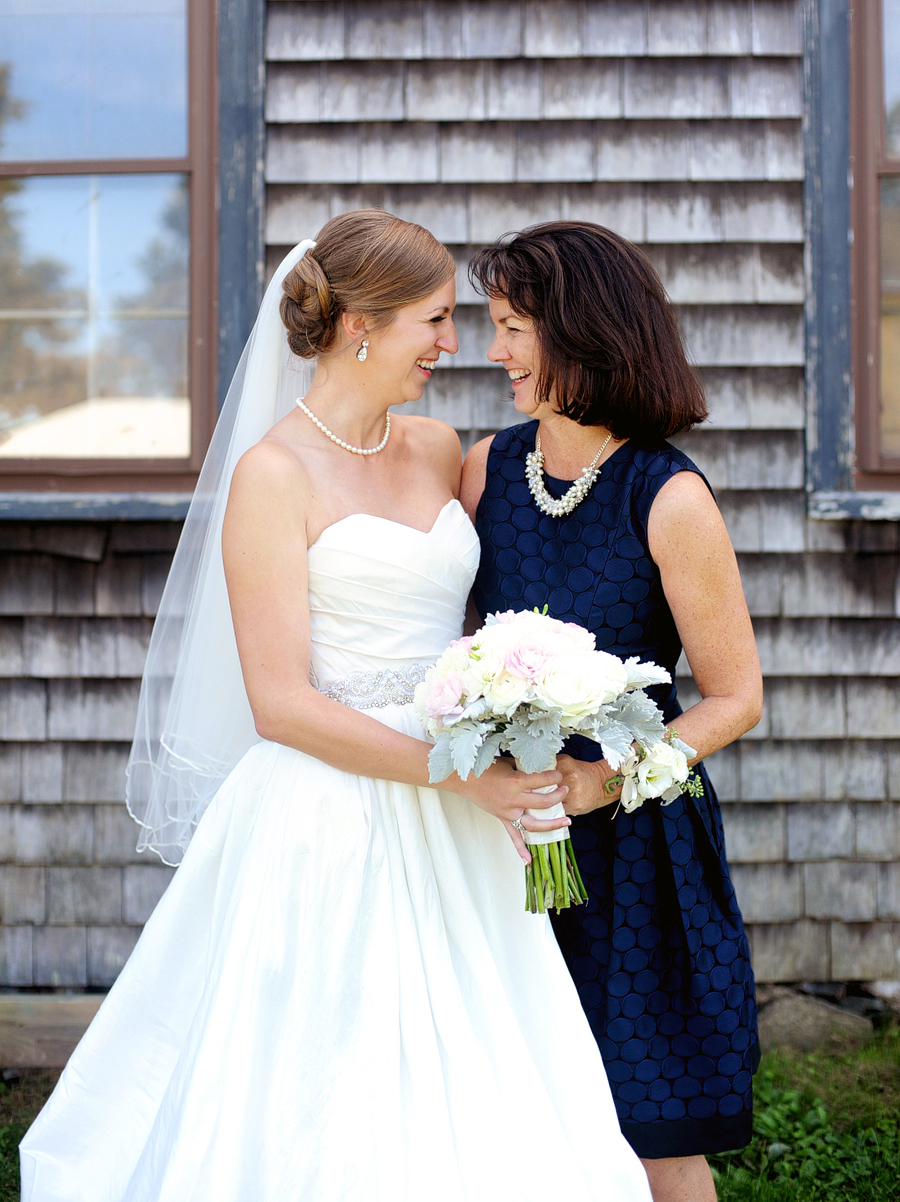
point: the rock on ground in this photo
(805, 1023)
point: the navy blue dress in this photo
(658, 954)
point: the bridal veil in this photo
(194, 721)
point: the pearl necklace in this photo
(534, 474)
(346, 445)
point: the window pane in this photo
(892, 75)
(890, 317)
(94, 324)
(91, 79)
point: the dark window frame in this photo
(834, 489)
(870, 165)
(83, 486)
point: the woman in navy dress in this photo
(637, 553)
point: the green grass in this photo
(19, 1103)
(826, 1129)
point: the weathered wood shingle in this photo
(72, 647)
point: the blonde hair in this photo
(366, 261)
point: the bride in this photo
(340, 997)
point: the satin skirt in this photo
(339, 997)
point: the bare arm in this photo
(474, 474)
(699, 572)
(265, 554)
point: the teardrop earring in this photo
(363, 352)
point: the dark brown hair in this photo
(611, 352)
(365, 261)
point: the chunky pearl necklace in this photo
(346, 445)
(534, 474)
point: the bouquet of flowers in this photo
(522, 684)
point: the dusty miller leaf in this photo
(465, 739)
(642, 674)
(616, 740)
(440, 765)
(487, 752)
(540, 724)
(642, 716)
(534, 752)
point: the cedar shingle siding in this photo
(678, 124)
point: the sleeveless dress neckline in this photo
(659, 953)
(558, 485)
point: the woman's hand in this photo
(507, 794)
(586, 783)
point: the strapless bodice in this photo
(385, 595)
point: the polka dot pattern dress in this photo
(658, 954)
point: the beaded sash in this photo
(372, 690)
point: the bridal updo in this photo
(366, 261)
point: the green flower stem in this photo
(552, 879)
(553, 855)
(581, 892)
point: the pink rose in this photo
(466, 642)
(581, 636)
(527, 660)
(445, 697)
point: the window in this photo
(875, 218)
(107, 240)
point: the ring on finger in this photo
(517, 823)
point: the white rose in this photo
(454, 659)
(662, 768)
(505, 693)
(609, 670)
(580, 638)
(481, 672)
(495, 640)
(576, 684)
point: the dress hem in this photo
(689, 1137)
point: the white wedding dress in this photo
(340, 997)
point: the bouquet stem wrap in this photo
(552, 878)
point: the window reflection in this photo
(892, 76)
(94, 324)
(91, 79)
(890, 316)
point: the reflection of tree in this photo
(36, 373)
(148, 356)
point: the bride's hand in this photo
(507, 794)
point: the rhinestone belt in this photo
(372, 690)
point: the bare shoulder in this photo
(474, 475)
(434, 441)
(270, 493)
(430, 433)
(269, 466)
(476, 458)
(684, 517)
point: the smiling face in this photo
(406, 352)
(515, 346)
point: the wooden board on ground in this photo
(42, 1031)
